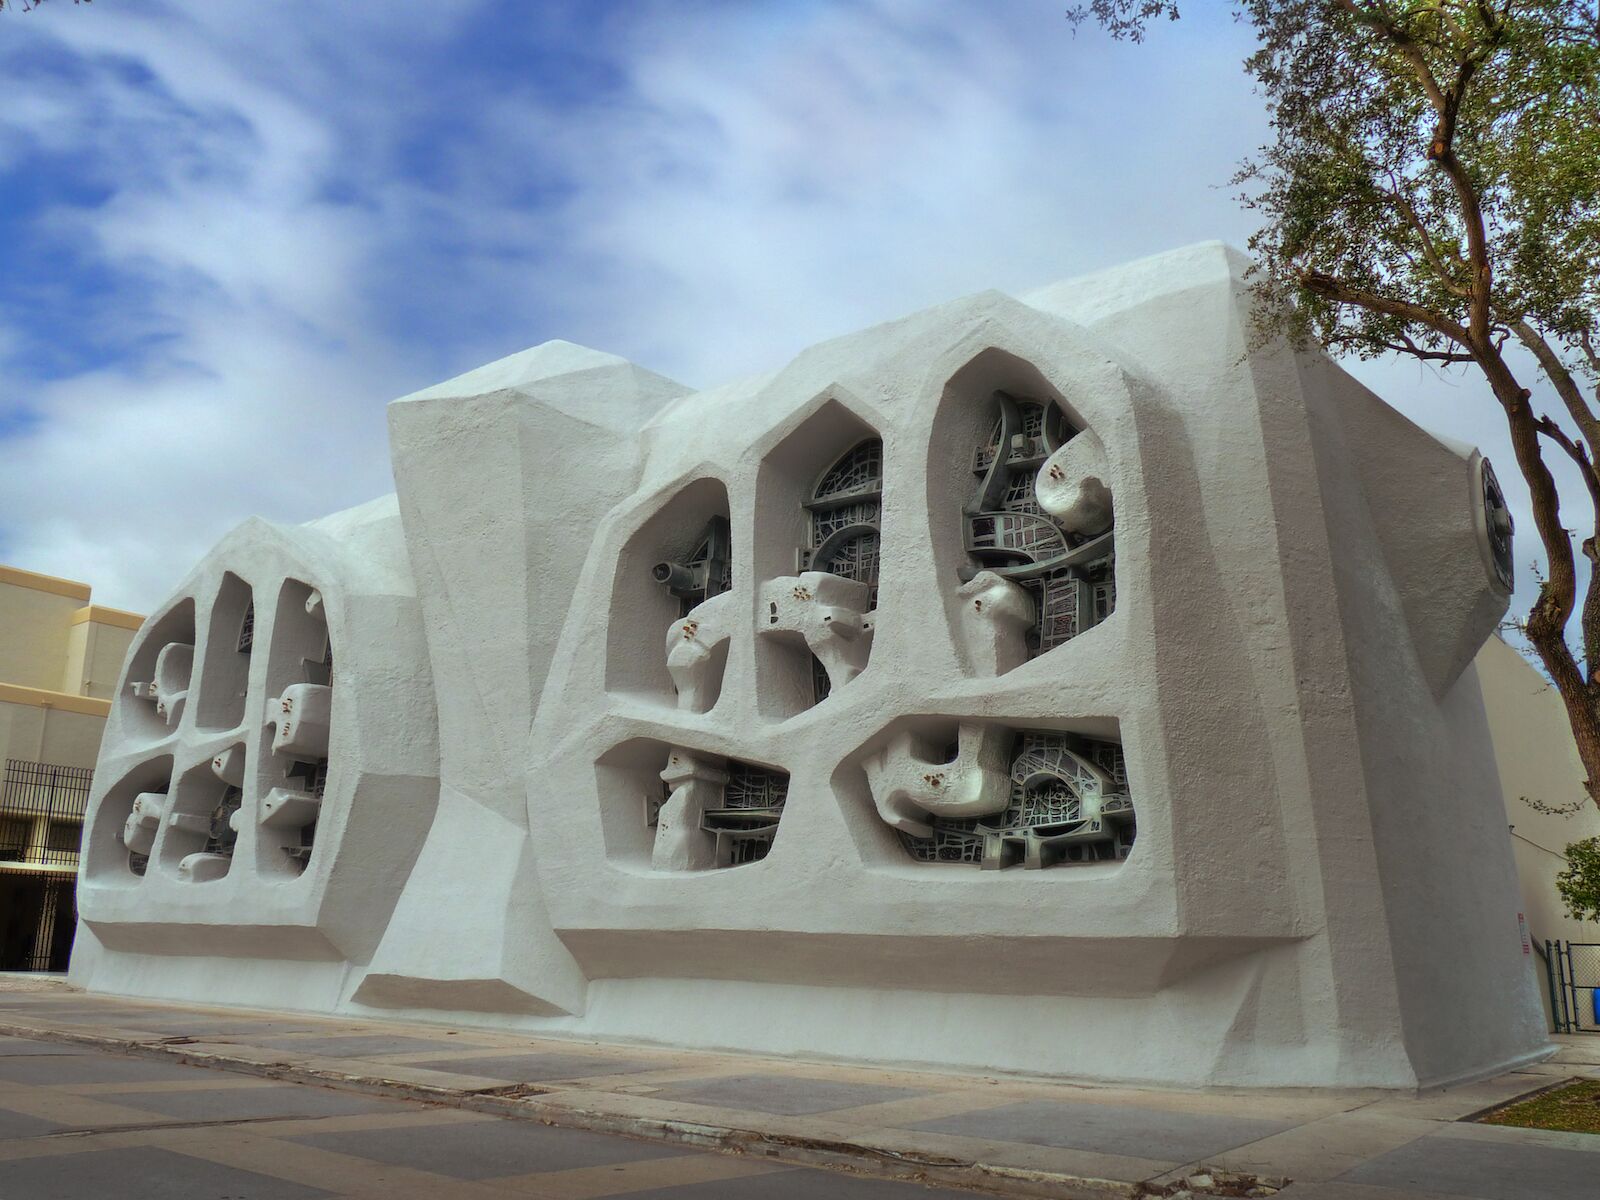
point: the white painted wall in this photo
(1321, 855)
(1537, 761)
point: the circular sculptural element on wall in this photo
(1497, 528)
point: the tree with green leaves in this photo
(1579, 884)
(1433, 190)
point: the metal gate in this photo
(41, 823)
(35, 792)
(1574, 985)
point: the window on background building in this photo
(13, 839)
(63, 839)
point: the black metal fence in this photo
(41, 812)
(1574, 985)
(42, 807)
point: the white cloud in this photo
(765, 188)
(315, 208)
(249, 380)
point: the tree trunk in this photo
(1547, 620)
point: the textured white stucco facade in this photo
(478, 763)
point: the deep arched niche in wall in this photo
(672, 604)
(294, 751)
(819, 514)
(992, 795)
(1035, 565)
(676, 808)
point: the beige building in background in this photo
(60, 657)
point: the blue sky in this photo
(230, 231)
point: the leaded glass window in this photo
(1071, 578)
(745, 821)
(1061, 811)
(845, 515)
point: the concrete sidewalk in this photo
(1000, 1134)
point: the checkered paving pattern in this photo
(77, 1122)
(406, 1113)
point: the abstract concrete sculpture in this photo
(1063, 684)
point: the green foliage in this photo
(1433, 189)
(1400, 128)
(1579, 884)
(1124, 19)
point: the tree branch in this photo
(1589, 352)
(1406, 346)
(1442, 152)
(1576, 453)
(1383, 22)
(1326, 286)
(1566, 386)
(1428, 247)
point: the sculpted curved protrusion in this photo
(996, 615)
(692, 645)
(189, 822)
(696, 784)
(829, 611)
(1071, 486)
(203, 867)
(300, 719)
(228, 766)
(910, 780)
(139, 831)
(170, 687)
(285, 808)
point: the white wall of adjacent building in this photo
(1538, 765)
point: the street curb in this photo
(522, 1102)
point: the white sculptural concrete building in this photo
(1043, 685)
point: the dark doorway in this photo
(38, 916)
